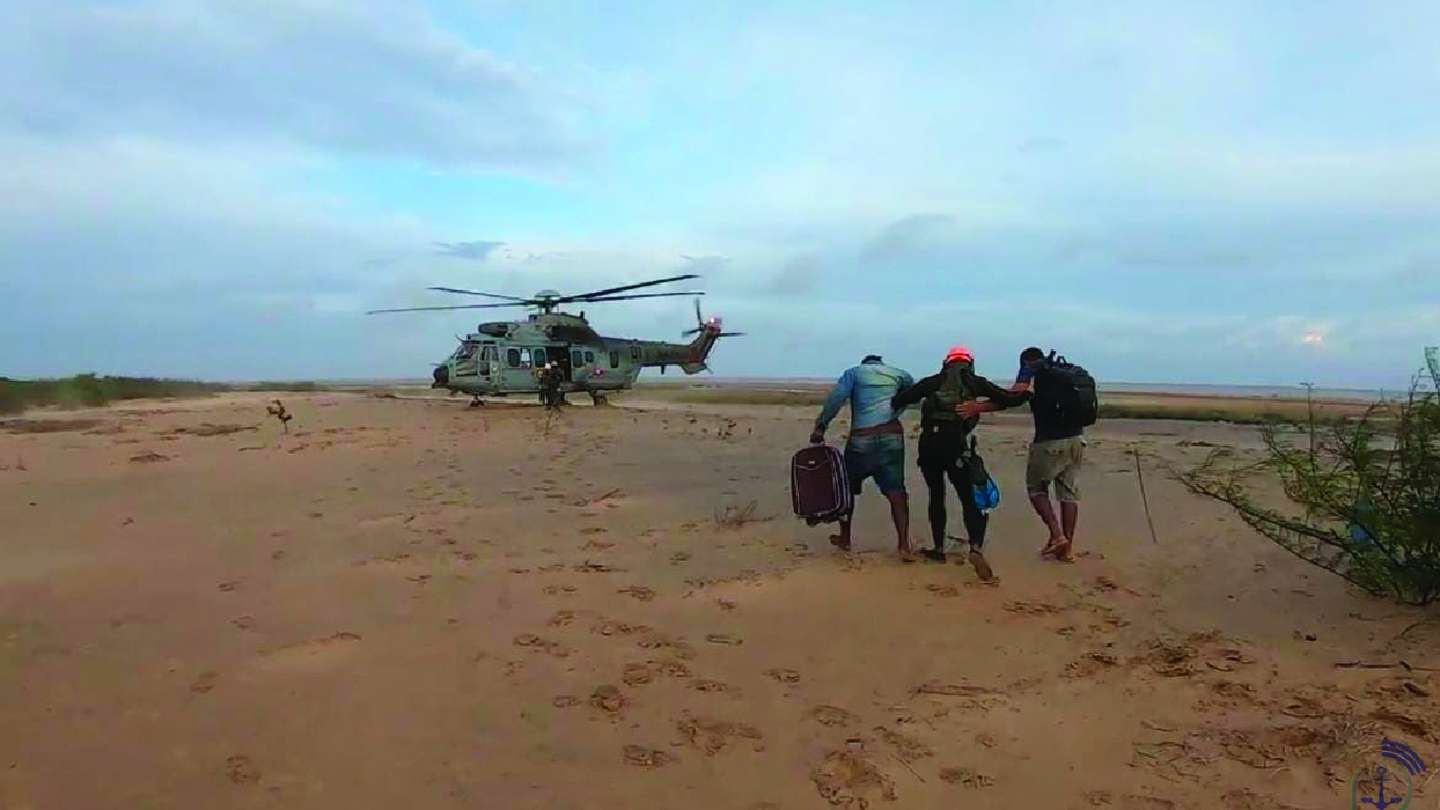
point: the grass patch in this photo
(282, 386)
(90, 390)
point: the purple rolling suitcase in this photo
(818, 484)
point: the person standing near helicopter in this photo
(947, 448)
(549, 375)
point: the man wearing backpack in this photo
(947, 448)
(1063, 403)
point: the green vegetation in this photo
(1364, 495)
(299, 386)
(88, 390)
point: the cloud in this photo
(908, 236)
(797, 276)
(477, 251)
(350, 76)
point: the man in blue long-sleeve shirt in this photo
(876, 448)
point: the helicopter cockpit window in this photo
(539, 357)
(512, 357)
(525, 358)
(589, 358)
(577, 358)
(465, 352)
(614, 359)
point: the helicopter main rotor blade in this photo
(461, 291)
(630, 297)
(565, 299)
(440, 309)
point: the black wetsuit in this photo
(946, 446)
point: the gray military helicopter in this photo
(502, 357)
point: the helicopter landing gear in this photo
(599, 399)
(477, 401)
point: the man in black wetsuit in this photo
(947, 449)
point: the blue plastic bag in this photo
(987, 495)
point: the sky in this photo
(1209, 192)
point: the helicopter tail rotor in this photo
(710, 325)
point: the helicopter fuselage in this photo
(502, 358)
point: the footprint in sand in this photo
(784, 675)
(724, 638)
(565, 701)
(558, 590)
(244, 622)
(672, 669)
(681, 649)
(640, 592)
(943, 591)
(535, 642)
(613, 628)
(713, 736)
(241, 770)
(707, 685)
(205, 682)
(847, 777)
(966, 777)
(609, 700)
(562, 618)
(1090, 665)
(832, 716)
(642, 757)
(227, 587)
(637, 674)
(1032, 608)
(313, 655)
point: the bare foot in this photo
(1052, 545)
(839, 542)
(982, 566)
(1061, 552)
(907, 556)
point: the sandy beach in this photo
(407, 602)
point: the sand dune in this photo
(405, 602)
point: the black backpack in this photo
(1075, 395)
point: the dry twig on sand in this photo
(736, 517)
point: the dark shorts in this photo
(881, 457)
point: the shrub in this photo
(1370, 492)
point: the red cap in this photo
(959, 353)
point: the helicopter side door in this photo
(582, 365)
(517, 370)
(489, 362)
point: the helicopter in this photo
(502, 357)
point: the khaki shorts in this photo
(1059, 461)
